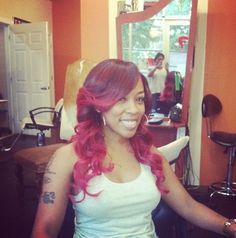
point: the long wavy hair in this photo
(106, 84)
(168, 93)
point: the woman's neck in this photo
(116, 143)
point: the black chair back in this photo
(211, 105)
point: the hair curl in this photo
(168, 93)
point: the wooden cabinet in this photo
(165, 134)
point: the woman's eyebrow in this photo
(141, 92)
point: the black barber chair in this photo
(168, 224)
(211, 107)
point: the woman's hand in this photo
(191, 210)
(229, 228)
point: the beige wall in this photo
(94, 29)
(196, 92)
(31, 10)
(112, 28)
(98, 29)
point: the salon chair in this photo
(34, 160)
(40, 119)
(43, 119)
(168, 224)
(211, 108)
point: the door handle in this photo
(45, 88)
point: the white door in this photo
(30, 69)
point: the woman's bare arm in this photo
(193, 211)
(56, 187)
(151, 73)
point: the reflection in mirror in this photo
(166, 32)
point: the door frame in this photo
(7, 22)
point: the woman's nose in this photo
(132, 106)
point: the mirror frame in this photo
(150, 11)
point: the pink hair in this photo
(168, 93)
(105, 84)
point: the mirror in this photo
(167, 27)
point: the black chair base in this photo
(223, 188)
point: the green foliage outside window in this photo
(147, 38)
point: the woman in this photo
(156, 79)
(117, 174)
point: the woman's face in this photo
(159, 60)
(123, 118)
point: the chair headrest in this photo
(211, 105)
(172, 150)
(59, 105)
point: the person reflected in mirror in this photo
(171, 94)
(156, 78)
(111, 170)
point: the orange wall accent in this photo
(219, 80)
(66, 39)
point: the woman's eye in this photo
(140, 99)
(123, 99)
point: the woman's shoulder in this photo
(156, 151)
(66, 153)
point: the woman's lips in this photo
(129, 124)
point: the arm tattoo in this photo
(46, 179)
(48, 171)
(48, 197)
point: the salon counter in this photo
(166, 132)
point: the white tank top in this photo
(121, 209)
(157, 82)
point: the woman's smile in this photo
(130, 123)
